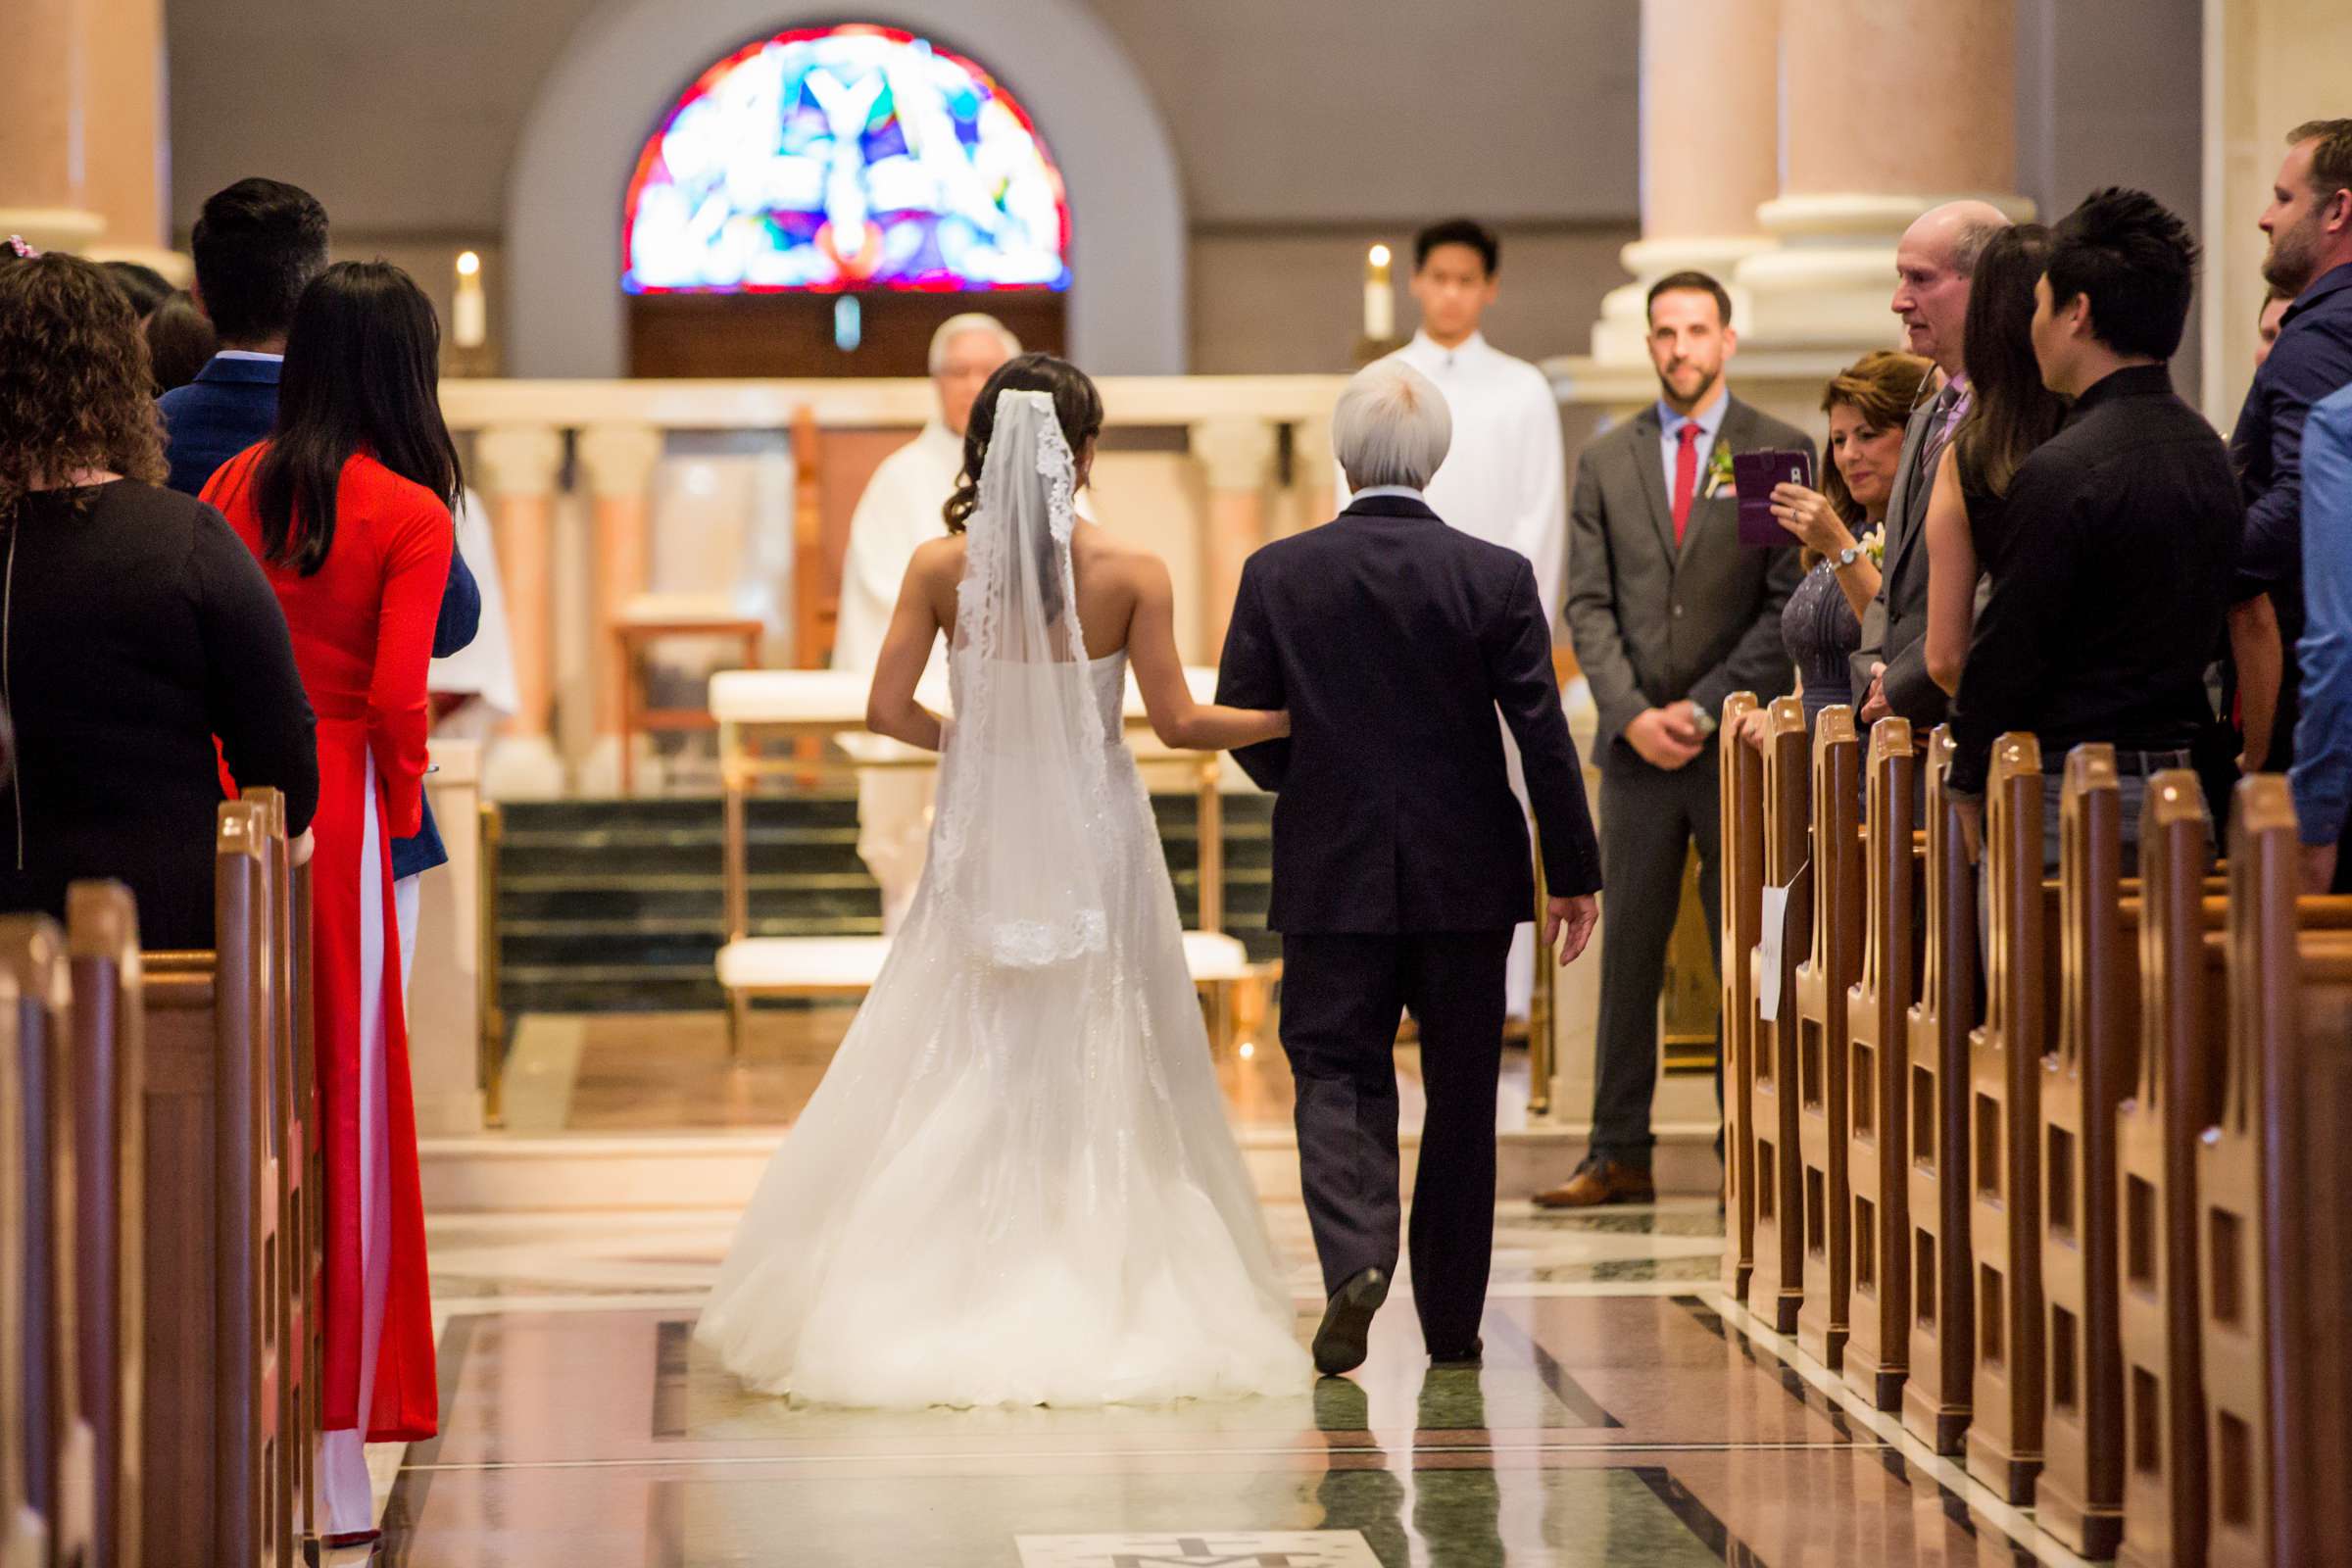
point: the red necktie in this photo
(1685, 477)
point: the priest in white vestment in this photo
(900, 510)
(1505, 477)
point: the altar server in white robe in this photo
(1505, 477)
(900, 510)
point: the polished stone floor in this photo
(1623, 1414)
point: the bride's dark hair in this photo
(1077, 407)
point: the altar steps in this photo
(618, 906)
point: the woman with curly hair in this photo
(135, 626)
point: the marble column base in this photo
(53, 229)
(1828, 283)
(1623, 330)
(523, 767)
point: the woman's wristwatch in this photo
(1847, 557)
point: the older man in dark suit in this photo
(1400, 855)
(1670, 613)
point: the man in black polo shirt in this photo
(2124, 527)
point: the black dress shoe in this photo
(1340, 1343)
(1474, 1357)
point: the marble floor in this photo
(1623, 1414)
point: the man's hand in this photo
(1573, 919)
(299, 852)
(1665, 737)
(1874, 701)
(2319, 867)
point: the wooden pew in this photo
(293, 1126)
(210, 1460)
(110, 1074)
(1940, 1386)
(2157, 1125)
(1829, 969)
(1741, 778)
(60, 1457)
(2079, 1496)
(2004, 1084)
(1776, 1280)
(23, 1533)
(1878, 1074)
(2274, 1294)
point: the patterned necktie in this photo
(1686, 476)
(1951, 404)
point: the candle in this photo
(1380, 300)
(469, 311)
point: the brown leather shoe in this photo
(1600, 1180)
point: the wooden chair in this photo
(60, 1453)
(646, 619)
(2274, 1290)
(2004, 1086)
(23, 1533)
(1777, 1279)
(1939, 1385)
(110, 1074)
(1878, 1007)
(212, 1463)
(1740, 790)
(1829, 969)
(2081, 1490)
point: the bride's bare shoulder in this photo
(939, 557)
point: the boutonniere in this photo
(1873, 546)
(1719, 472)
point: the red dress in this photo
(363, 628)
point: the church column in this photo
(1891, 106)
(519, 465)
(46, 82)
(1237, 456)
(129, 136)
(1709, 119)
(618, 460)
(1311, 465)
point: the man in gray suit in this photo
(1932, 265)
(1670, 613)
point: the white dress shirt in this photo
(1709, 420)
(898, 513)
(1505, 477)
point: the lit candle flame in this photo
(468, 264)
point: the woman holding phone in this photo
(1840, 525)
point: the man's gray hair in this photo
(955, 326)
(1392, 426)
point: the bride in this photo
(1015, 1184)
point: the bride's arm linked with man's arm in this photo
(1177, 719)
(914, 625)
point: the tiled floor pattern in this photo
(1616, 1420)
(1623, 1415)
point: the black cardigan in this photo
(134, 628)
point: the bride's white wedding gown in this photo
(1016, 1184)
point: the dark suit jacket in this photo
(232, 404)
(1894, 628)
(1653, 624)
(1393, 639)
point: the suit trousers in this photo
(1341, 997)
(1649, 818)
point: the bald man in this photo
(1932, 264)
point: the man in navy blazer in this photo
(257, 246)
(1400, 855)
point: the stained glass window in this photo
(845, 158)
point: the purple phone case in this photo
(1753, 474)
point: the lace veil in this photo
(1020, 859)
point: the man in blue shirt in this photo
(2323, 773)
(257, 246)
(2310, 225)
